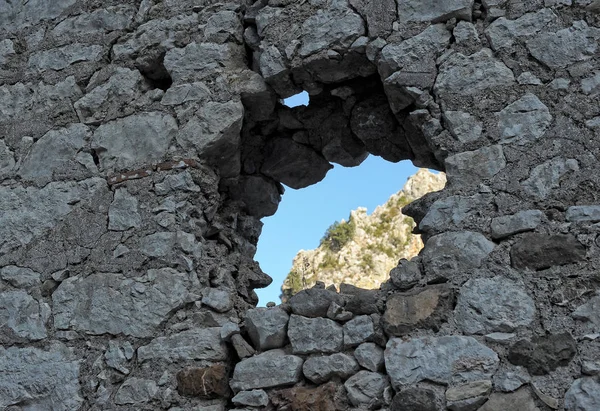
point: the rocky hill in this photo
(362, 250)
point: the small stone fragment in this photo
(544, 354)
(589, 213)
(524, 121)
(463, 126)
(241, 346)
(358, 330)
(314, 335)
(406, 274)
(416, 399)
(314, 302)
(253, 398)
(471, 167)
(370, 356)
(521, 400)
(218, 300)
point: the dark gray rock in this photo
(314, 335)
(416, 399)
(419, 11)
(522, 221)
(314, 302)
(406, 274)
(253, 398)
(440, 359)
(521, 400)
(270, 369)
(378, 15)
(546, 177)
(590, 312)
(267, 327)
(495, 304)
(468, 397)
(123, 212)
(540, 251)
(193, 344)
(358, 330)
(218, 300)
(320, 369)
(544, 354)
(261, 196)
(136, 391)
(293, 164)
(370, 356)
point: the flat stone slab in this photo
(270, 369)
(314, 335)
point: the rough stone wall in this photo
(142, 141)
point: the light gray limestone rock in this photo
(590, 367)
(7, 160)
(365, 389)
(270, 369)
(113, 303)
(19, 277)
(495, 304)
(7, 49)
(193, 344)
(123, 212)
(443, 360)
(583, 395)
(521, 400)
(29, 212)
(524, 121)
(591, 85)
(320, 369)
(115, 356)
(588, 213)
(565, 47)
(136, 391)
(197, 61)
(590, 311)
(22, 316)
(43, 380)
(370, 356)
(314, 335)
(471, 167)
(260, 195)
(545, 177)
(529, 78)
(451, 211)
(330, 29)
(503, 33)
(434, 11)
(508, 381)
(17, 15)
(99, 21)
(53, 156)
(158, 244)
(358, 330)
(465, 33)
(63, 57)
(454, 252)
(520, 222)
(218, 300)
(469, 75)
(135, 140)
(468, 397)
(267, 327)
(111, 99)
(463, 126)
(253, 398)
(228, 330)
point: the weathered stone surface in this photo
(591, 85)
(53, 156)
(509, 381)
(330, 29)
(366, 388)
(406, 274)
(261, 196)
(358, 330)
(415, 398)
(314, 302)
(439, 359)
(14, 15)
(546, 177)
(370, 356)
(323, 398)
(565, 47)
(463, 126)
(294, 164)
(22, 316)
(454, 252)
(451, 211)
(41, 379)
(63, 57)
(218, 300)
(241, 346)
(112, 303)
(418, 11)
(472, 167)
(360, 301)
(135, 140)
(253, 398)
(468, 75)
(540, 251)
(590, 213)
(378, 15)
(19, 277)
(197, 61)
(503, 33)
(590, 312)
(136, 391)
(209, 382)
(102, 20)
(267, 327)
(320, 369)
(543, 354)
(493, 305)
(425, 308)
(194, 344)
(270, 369)
(468, 397)
(123, 212)
(522, 221)
(524, 121)
(583, 395)
(518, 400)
(29, 212)
(314, 335)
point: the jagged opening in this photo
(362, 256)
(300, 99)
(155, 72)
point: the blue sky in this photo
(305, 214)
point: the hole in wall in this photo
(304, 216)
(154, 71)
(300, 99)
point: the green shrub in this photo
(338, 235)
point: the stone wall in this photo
(141, 142)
